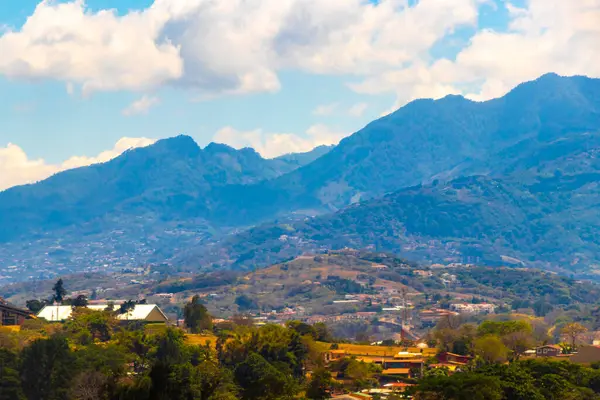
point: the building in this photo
(12, 315)
(482, 308)
(141, 312)
(549, 350)
(334, 355)
(431, 317)
(451, 358)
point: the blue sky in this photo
(76, 77)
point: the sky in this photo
(82, 81)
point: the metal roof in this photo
(141, 312)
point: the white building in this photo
(483, 308)
(141, 312)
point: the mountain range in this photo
(511, 180)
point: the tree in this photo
(10, 382)
(79, 301)
(35, 305)
(245, 303)
(573, 330)
(319, 386)
(46, 366)
(518, 343)
(491, 349)
(85, 325)
(259, 380)
(197, 318)
(88, 385)
(466, 386)
(126, 307)
(59, 291)
(501, 328)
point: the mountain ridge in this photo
(539, 141)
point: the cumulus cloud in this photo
(271, 145)
(240, 46)
(141, 106)
(544, 36)
(191, 43)
(16, 168)
(100, 51)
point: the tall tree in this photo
(197, 318)
(573, 330)
(59, 291)
(10, 382)
(126, 307)
(491, 349)
(260, 380)
(320, 384)
(46, 367)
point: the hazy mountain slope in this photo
(301, 159)
(550, 221)
(426, 139)
(172, 178)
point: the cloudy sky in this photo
(81, 81)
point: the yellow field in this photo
(11, 328)
(381, 351)
(200, 340)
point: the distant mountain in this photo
(301, 159)
(172, 178)
(551, 223)
(446, 179)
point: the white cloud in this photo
(16, 168)
(141, 106)
(240, 46)
(271, 145)
(100, 51)
(358, 109)
(546, 36)
(325, 109)
(234, 46)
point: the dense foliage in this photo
(90, 357)
(522, 380)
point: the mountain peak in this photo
(213, 148)
(182, 145)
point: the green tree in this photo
(46, 367)
(259, 380)
(320, 384)
(245, 303)
(490, 349)
(10, 381)
(59, 291)
(465, 386)
(126, 306)
(85, 325)
(35, 305)
(197, 318)
(79, 301)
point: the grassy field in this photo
(201, 340)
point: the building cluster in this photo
(465, 308)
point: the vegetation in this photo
(523, 380)
(92, 357)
